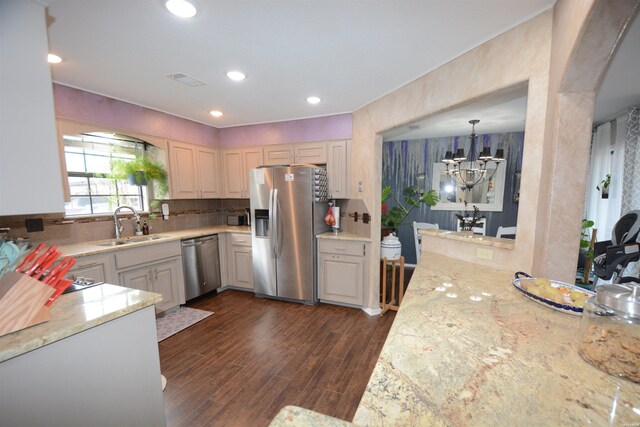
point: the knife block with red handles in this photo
(22, 302)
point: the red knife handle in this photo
(29, 258)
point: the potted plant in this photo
(604, 186)
(141, 170)
(413, 197)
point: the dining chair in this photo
(506, 231)
(418, 238)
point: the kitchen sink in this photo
(129, 240)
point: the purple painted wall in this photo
(88, 107)
(84, 106)
(315, 129)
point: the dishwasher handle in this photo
(199, 240)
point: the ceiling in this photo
(498, 113)
(347, 52)
(620, 88)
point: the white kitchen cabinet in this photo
(341, 271)
(338, 169)
(97, 267)
(236, 165)
(304, 152)
(154, 268)
(29, 159)
(208, 173)
(314, 153)
(240, 261)
(195, 171)
(161, 277)
(277, 155)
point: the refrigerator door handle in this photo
(276, 225)
(272, 224)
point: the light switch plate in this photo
(483, 253)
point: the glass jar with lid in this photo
(610, 330)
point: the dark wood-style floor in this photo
(253, 356)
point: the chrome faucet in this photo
(117, 222)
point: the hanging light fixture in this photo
(468, 172)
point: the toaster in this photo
(235, 219)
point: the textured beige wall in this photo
(585, 36)
(519, 56)
(561, 55)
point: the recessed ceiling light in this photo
(236, 75)
(53, 59)
(181, 8)
(216, 113)
(313, 100)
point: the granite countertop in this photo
(466, 348)
(296, 416)
(94, 247)
(76, 312)
(471, 238)
(343, 235)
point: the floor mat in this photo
(177, 320)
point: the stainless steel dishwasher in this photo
(201, 265)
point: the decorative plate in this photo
(565, 308)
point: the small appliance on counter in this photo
(236, 219)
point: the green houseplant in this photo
(413, 197)
(141, 170)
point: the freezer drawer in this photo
(201, 265)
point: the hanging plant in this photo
(141, 170)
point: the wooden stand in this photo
(22, 300)
(396, 264)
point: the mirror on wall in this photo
(412, 156)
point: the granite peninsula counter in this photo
(466, 348)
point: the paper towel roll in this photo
(336, 214)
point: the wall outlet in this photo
(359, 186)
(34, 224)
(483, 253)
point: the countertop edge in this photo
(343, 235)
(44, 337)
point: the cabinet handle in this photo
(340, 249)
(155, 274)
(150, 275)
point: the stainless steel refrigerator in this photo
(288, 206)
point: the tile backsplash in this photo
(183, 214)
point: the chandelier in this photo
(468, 172)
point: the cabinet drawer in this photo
(241, 239)
(149, 253)
(342, 247)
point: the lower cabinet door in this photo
(165, 282)
(138, 278)
(242, 267)
(341, 278)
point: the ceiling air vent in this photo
(186, 79)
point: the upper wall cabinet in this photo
(276, 155)
(311, 152)
(194, 171)
(287, 154)
(339, 169)
(236, 164)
